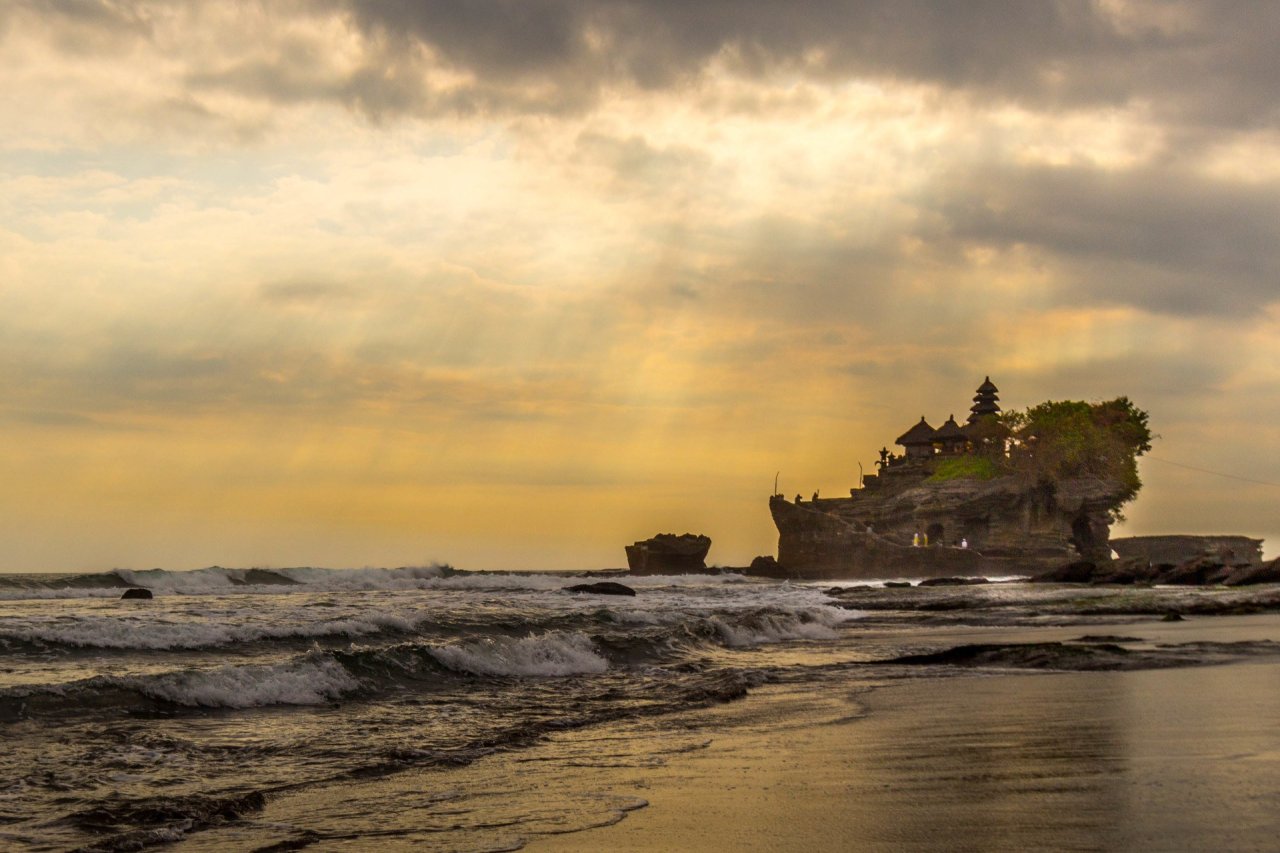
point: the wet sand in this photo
(1169, 759)
(864, 758)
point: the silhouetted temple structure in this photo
(985, 402)
(972, 524)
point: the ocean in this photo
(181, 720)
(135, 722)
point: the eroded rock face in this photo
(972, 527)
(667, 553)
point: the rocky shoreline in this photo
(1199, 571)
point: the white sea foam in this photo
(542, 655)
(45, 593)
(305, 682)
(106, 632)
(222, 581)
(815, 623)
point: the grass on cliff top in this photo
(964, 468)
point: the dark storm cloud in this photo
(1214, 60)
(1161, 239)
(654, 42)
(1211, 63)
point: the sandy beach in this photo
(1169, 759)
(1184, 758)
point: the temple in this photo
(940, 507)
(922, 444)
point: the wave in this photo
(750, 627)
(217, 580)
(106, 632)
(315, 677)
(307, 682)
(322, 675)
(545, 655)
(310, 680)
(166, 630)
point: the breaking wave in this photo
(546, 655)
(306, 682)
(105, 632)
(321, 675)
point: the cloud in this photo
(306, 292)
(1213, 61)
(1208, 64)
(1163, 239)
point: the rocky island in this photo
(668, 553)
(1004, 493)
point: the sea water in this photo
(276, 710)
(127, 723)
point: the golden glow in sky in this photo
(512, 285)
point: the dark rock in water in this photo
(1249, 575)
(765, 567)
(1126, 571)
(266, 577)
(667, 553)
(952, 581)
(602, 588)
(1098, 656)
(137, 592)
(1081, 571)
(1106, 638)
(1197, 572)
(1171, 616)
(897, 584)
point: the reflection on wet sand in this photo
(1155, 760)
(1171, 759)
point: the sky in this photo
(512, 283)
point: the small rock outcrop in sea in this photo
(602, 588)
(262, 577)
(765, 567)
(668, 553)
(137, 592)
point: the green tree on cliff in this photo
(1064, 439)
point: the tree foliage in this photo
(1069, 438)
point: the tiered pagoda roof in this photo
(985, 402)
